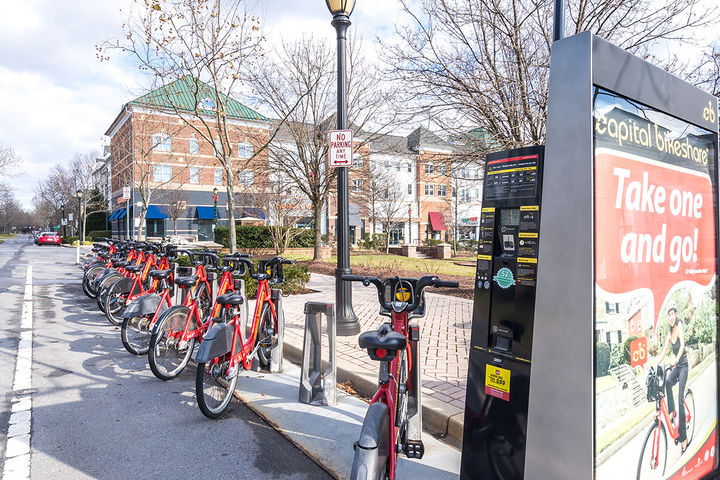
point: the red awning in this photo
(436, 221)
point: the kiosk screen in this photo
(656, 294)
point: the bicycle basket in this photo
(655, 382)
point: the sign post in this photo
(126, 199)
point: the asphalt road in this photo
(97, 411)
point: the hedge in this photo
(602, 359)
(296, 277)
(95, 234)
(259, 236)
(71, 240)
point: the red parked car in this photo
(49, 238)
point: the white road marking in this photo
(17, 452)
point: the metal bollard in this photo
(318, 387)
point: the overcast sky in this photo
(58, 99)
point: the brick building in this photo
(172, 170)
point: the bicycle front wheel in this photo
(372, 453)
(135, 334)
(653, 456)
(168, 355)
(266, 337)
(689, 415)
(115, 302)
(214, 385)
(88, 281)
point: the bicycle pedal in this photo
(414, 449)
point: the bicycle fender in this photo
(373, 447)
(217, 342)
(143, 305)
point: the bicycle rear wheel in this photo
(135, 334)
(167, 355)
(214, 385)
(372, 451)
(101, 286)
(653, 456)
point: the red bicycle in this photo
(393, 422)
(224, 350)
(179, 327)
(653, 456)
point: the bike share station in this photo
(587, 247)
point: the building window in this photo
(245, 150)
(194, 146)
(442, 169)
(246, 178)
(387, 163)
(477, 173)
(386, 193)
(465, 172)
(194, 175)
(218, 176)
(476, 193)
(612, 308)
(442, 190)
(162, 173)
(409, 167)
(218, 146)
(429, 168)
(357, 160)
(409, 188)
(357, 185)
(429, 189)
(162, 142)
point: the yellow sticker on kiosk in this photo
(497, 382)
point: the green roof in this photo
(185, 91)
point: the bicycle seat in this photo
(134, 268)
(230, 299)
(187, 281)
(382, 344)
(160, 274)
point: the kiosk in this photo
(626, 280)
(496, 403)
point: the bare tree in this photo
(391, 208)
(80, 172)
(176, 205)
(299, 85)
(8, 159)
(478, 64)
(285, 206)
(203, 46)
(10, 209)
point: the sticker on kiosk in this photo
(497, 382)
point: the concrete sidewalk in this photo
(445, 339)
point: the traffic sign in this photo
(341, 148)
(70, 217)
(126, 193)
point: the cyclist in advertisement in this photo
(678, 371)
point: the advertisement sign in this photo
(655, 283)
(341, 148)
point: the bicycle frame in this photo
(263, 296)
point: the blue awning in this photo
(121, 214)
(253, 212)
(206, 213)
(155, 212)
(114, 214)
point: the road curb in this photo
(440, 419)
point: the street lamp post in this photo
(79, 194)
(346, 320)
(63, 221)
(215, 210)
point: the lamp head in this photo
(79, 193)
(215, 191)
(340, 7)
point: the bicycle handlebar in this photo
(420, 284)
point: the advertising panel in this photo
(656, 405)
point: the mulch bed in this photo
(466, 283)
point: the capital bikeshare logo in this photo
(504, 278)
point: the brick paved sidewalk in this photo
(445, 340)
